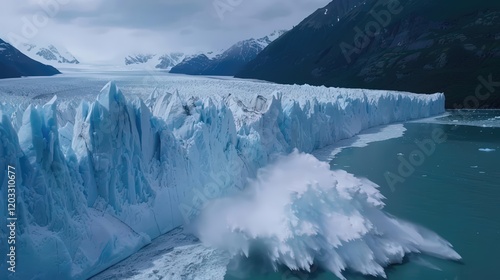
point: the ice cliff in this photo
(97, 182)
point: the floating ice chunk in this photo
(362, 140)
(487, 150)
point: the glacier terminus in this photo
(101, 177)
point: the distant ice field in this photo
(86, 84)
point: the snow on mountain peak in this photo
(276, 34)
(48, 54)
(226, 62)
(213, 54)
(154, 61)
(14, 64)
(138, 58)
(268, 39)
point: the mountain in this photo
(422, 46)
(138, 59)
(165, 61)
(228, 62)
(15, 64)
(48, 54)
(192, 65)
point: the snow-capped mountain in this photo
(165, 61)
(49, 54)
(228, 62)
(274, 35)
(14, 64)
(192, 65)
(414, 50)
(138, 59)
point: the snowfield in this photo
(100, 176)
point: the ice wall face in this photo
(94, 189)
(57, 234)
(109, 143)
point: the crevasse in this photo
(97, 183)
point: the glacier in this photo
(99, 179)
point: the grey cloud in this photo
(273, 11)
(96, 26)
(153, 14)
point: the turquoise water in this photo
(453, 189)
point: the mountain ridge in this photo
(227, 62)
(157, 61)
(48, 54)
(15, 64)
(424, 47)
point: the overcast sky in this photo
(100, 30)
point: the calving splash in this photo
(298, 212)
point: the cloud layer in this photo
(99, 30)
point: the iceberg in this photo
(97, 181)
